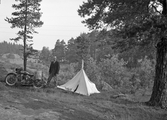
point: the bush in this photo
(143, 76)
(113, 71)
(93, 72)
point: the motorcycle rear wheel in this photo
(38, 83)
(11, 79)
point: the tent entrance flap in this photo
(76, 88)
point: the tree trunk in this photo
(24, 41)
(159, 95)
(159, 92)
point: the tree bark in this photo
(158, 96)
(24, 41)
(159, 92)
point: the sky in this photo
(60, 17)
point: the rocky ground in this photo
(26, 103)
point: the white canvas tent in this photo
(80, 83)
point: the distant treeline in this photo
(6, 47)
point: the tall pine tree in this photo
(26, 17)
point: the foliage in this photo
(143, 76)
(100, 44)
(147, 66)
(82, 43)
(27, 14)
(100, 13)
(134, 24)
(71, 51)
(94, 44)
(59, 50)
(45, 56)
(113, 72)
(93, 71)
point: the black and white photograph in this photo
(83, 59)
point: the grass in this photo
(107, 105)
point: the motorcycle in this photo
(23, 78)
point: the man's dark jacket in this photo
(54, 68)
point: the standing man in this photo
(53, 70)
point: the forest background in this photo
(127, 71)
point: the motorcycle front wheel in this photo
(38, 83)
(11, 79)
